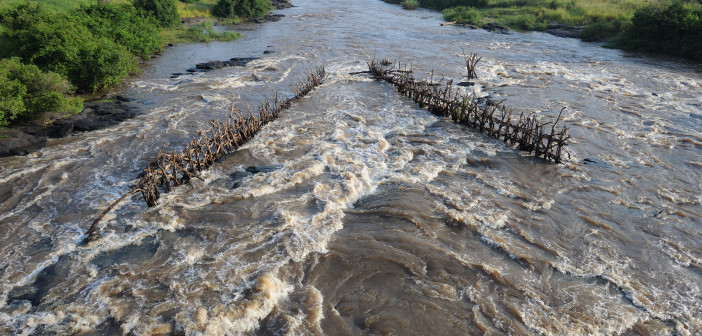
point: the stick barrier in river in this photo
(544, 139)
(171, 169)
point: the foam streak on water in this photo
(356, 212)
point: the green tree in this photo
(243, 8)
(61, 43)
(133, 28)
(27, 92)
(11, 103)
(675, 29)
(165, 11)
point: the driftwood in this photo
(171, 169)
(544, 139)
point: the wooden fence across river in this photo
(171, 169)
(543, 139)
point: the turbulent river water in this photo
(357, 212)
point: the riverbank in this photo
(26, 135)
(357, 211)
(666, 27)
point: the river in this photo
(357, 212)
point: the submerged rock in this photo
(239, 176)
(261, 169)
(596, 163)
(15, 142)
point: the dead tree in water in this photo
(545, 139)
(472, 60)
(171, 169)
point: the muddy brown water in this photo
(357, 212)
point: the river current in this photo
(357, 212)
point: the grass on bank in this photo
(200, 32)
(196, 9)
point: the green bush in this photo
(27, 92)
(103, 64)
(135, 29)
(242, 8)
(61, 44)
(410, 4)
(675, 30)
(225, 9)
(522, 21)
(601, 29)
(11, 102)
(165, 11)
(462, 15)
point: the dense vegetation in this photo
(93, 47)
(27, 92)
(675, 29)
(666, 26)
(241, 8)
(165, 11)
(53, 48)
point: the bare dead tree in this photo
(472, 60)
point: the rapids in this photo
(357, 212)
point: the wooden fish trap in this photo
(172, 169)
(544, 139)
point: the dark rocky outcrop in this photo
(270, 17)
(562, 30)
(281, 4)
(211, 65)
(26, 137)
(58, 129)
(100, 115)
(496, 28)
(14, 142)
